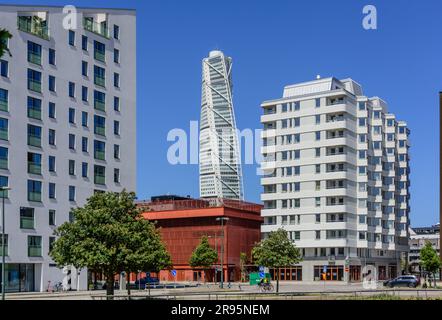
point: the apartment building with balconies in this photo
(336, 177)
(67, 127)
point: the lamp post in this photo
(3, 190)
(222, 219)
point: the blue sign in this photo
(173, 272)
(262, 275)
(261, 269)
(324, 269)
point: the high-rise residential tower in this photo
(220, 168)
(337, 180)
(67, 127)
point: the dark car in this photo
(146, 280)
(402, 281)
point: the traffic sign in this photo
(173, 272)
(261, 268)
(262, 275)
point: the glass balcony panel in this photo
(33, 25)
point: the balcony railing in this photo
(4, 164)
(100, 155)
(100, 130)
(99, 179)
(34, 113)
(100, 81)
(3, 105)
(34, 251)
(98, 28)
(4, 134)
(100, 56)
(33, 26)
(34, 85)
(34, 168)
(99, 105)
(34, 58)
(6, 250)
(26, 223)
(34, 196)
(34, 141)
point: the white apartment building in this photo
(336, 179)
(67, 127)
(220, 168)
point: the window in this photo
(51, 110)
(99, 76)
(84, 169)
(4, 152)
(51, 84)
(71, 89)
(34, 190)
(116, 151)
(71, 193)
(317, 103)
(51, 190)
(4, 68)
(34, 246)
(296, 105)
(317, 201)
(51, 243)
(26, 218)
(34, 163)
(4, 100)
(71, 141)
(5, 246)
(317, 218)
(84, 119)
(84, 93)
(296, 122)
(99, 150)
(318, 119)
(116, 32)
(72, 115)
(4, 182)
(317, 152)
(34, 136)
(34, 108)
(99, 125)
(99, 51)
(34, 53)
(318, 235)
(296, 153)
(72, 167)
(34, 80)
(71, 37)
(318, 135)
(116, 103)
(84, 68)
(84, 144)
(116, 56)
(52, 57)
(362, 122)
(52, 137)
(117, 175)
(116, 80)
(318, 168)
(361, 106)
(51, 164)
(99, 174)
(84, 43)
(99, 100)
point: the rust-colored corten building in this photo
(183, 221)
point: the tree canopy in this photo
(4, 36)
(204, 256)
(430, 260)
(109, 235)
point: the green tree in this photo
(204, 256)
(109, 235)
(275, 252)
(242, 265)
(4, 36)
(430, 260)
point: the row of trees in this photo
(110, 236)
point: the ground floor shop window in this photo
(19, 277)
(287, 274)
(330, 273)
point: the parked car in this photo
(146, 280)
(403, 281)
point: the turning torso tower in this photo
(220, 169)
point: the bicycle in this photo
(266, 287)
(58, 287)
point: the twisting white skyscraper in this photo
(220, 168)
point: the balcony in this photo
(98, 179)
(26, 223)
(4, 105)
(34, 141)
(4, 134)
(34, 85)
(34, 251)
(34, 168)
(34, 113)
(98, 28)
(34, 196)
(99, 155)
(33, 25)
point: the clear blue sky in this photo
(275, 43)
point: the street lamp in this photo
(3, 190)
(222, 219)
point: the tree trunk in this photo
(128, 283)
(277, 281)
(110, 286)
(434, 277)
